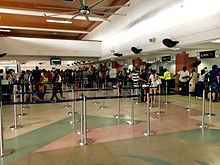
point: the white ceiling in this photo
(195, 23)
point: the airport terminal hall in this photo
(109, 82)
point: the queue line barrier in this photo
(84, 140)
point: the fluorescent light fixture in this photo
(58, 21)
(216, 41)
(174, 48)
(45, 29)
(5, 30)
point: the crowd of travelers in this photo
(37, 80)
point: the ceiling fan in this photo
(90, 10)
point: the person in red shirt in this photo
(49, 75)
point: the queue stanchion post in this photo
(210, 104)
(81, 117)
(21, 114)
(188, 108)
(84, 138)
(151, 97)
(15, 126)
(103, 101)
(96, 93)
(159, 102)
(148, 132)
(31, 90)
(166, 96)
(203, 124)
(119, 115)
(66, 93)
(3, 151)
(132, 121)
(73, 107)
(27, 95)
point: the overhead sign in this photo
(208, 54)
(166, 58)
(151, 60)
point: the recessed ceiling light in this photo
(58, 21)
(174, 48)
(216, 41)
(5, 30)
(55, 33)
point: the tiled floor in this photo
(48, 138)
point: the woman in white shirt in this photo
(200, 84)
(154, 80)
(193, 81)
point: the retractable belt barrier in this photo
(84, 140)
(79, 99)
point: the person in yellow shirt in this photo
(167, 78)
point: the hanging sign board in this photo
(208, 54)
(166, 58)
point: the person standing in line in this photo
(55, 86)
(59, 84)
(183, 81)
(154, 82)
(167, 78)
(193, 81)
(200, 84)
(214, 82)
(135, 80)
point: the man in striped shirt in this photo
(135, 80)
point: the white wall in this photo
(208, 63)
(189, 21)
(48, 67)
(49, 47)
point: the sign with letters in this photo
(166, 58)
(208, 54)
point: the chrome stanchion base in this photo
(21, 115)
(24, 107)
(212, 114)
(145, 133)
(80, 133)
(166, 102)
(118, 116)
(130, 122)
(103, 107)
(205, 125)
(73, 122)
(158, 113)
(70, 113)
(82, 142)
(7, 152)
(96, 102)
(17, 127)
(188, 109)
(67, 106)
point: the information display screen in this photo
(55, 61)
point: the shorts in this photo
(214, 87)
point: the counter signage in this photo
(207, 54)
(166, 58)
